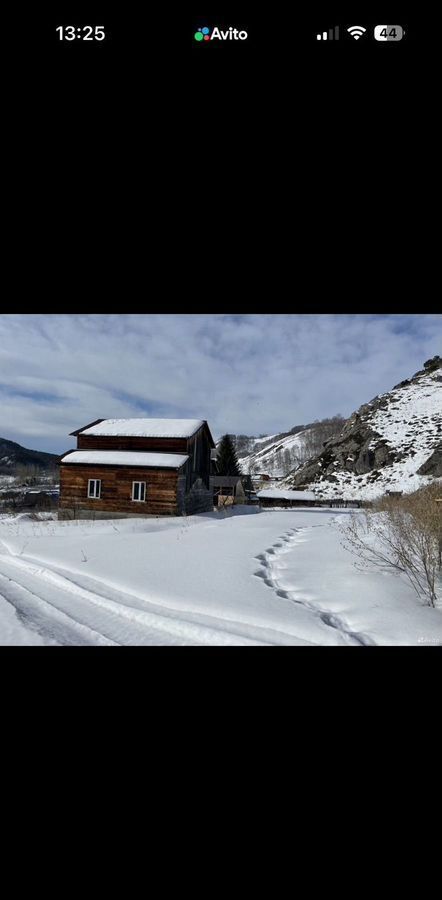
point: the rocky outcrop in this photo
(433, 465)
(359, 450)
(392, 440)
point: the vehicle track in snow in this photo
(69, 608)
(286, 544)
(43, 617)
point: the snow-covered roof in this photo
(173, 428)
(275, 494)
(126, 458)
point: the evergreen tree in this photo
(227, 460)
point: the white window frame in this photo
(143, 491)
(94, 495)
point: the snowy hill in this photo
(394, 442)
(276, 454)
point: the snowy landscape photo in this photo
(221, 480)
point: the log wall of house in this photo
(116, 490)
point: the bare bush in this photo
(404, 534)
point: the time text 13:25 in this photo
(82, 33)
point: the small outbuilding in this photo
(277, 497)
(227, 489)
(41, 499)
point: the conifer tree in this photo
(227, 460)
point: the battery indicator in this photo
(389, 32)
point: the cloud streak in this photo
(246, 374)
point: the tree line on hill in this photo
(315, 435)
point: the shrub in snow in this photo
(404, 534)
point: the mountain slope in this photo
(12, 455)
(279, 454)
(270, 454)
(394, 442)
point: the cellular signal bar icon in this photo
(333, 34)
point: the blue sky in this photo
(249, 374)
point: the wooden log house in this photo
(130, 467)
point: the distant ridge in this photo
(13, 455)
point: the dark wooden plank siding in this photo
(198, 464)
(116, 489)
(111, 442)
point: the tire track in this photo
(109, 615)
(46, 619)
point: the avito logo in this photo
(203, 34)
(232, 34)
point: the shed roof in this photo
(225, 480)
(125, 458)
(275, 494)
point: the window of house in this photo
(138, 490)
(94, 488)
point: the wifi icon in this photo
(356, 31)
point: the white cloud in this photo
(249, 374)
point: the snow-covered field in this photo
(233, 578)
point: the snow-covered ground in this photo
(238, 577)
(6, 480)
